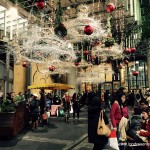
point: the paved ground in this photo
(57, 136)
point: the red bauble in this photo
(93, 57)
(110, 7)
(86, 52)
(40, 4)
(120, 66)
(126, 61)
(135, 73)
(127, 50)
(51, 68)
(88, 30)
(25, 64)
(133, 49)
(76, 63)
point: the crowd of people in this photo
(39, 105)
(134, 106)
(134, 132)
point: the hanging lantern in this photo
(126, 62)
(133, 49)
(110, 7)
(25, 64)
(51, 68)
(135, 73)
(120, 66)
(88, 30)
(127, 50)
(86, 52)
(76, 63)
(40, 4)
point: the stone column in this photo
(72, 80)
(148, 63)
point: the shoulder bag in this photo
(102, 128)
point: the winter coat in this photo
(116, 115)
(93, 117)
(135, 125)
(146, 133)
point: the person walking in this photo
(67, 102)
(34, 110)
(76, 105)
(42, 104)
(94, 110)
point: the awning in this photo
(52, 86)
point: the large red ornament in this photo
(76, 63)
(120, 66)
(86, 52)
(25, 64)
(126, 62)
(40, 4)
(127, 50)
(88, 30)
(133, 49)
(110, 7)
(51, 68)
(135, 73)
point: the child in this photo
(45, 119)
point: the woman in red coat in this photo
(145, 132)
(118, 110)
(116, 113)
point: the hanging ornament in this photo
(40, 4)
(93, 57)
(25, 64)
(127, 50)
(76, 63)
(133, 49)
(86, 52)
(51, 68)
(120, 66)
(126, 62)
(135, 73)
(110, 7)
(60, 30)
(88, 30)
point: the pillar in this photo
(148, 63)
(72, 80)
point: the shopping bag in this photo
(112, 140)
(48, 114)
(102, 128)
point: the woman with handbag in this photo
(94, 109)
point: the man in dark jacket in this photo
(93, 117)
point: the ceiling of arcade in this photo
(74, 14)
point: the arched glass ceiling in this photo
(10, 21)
